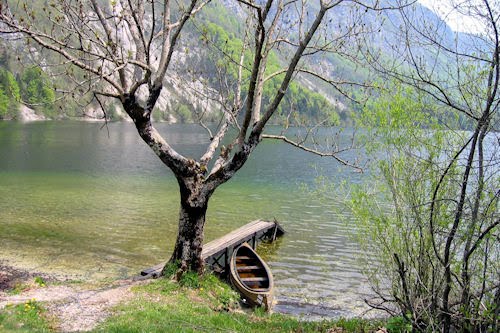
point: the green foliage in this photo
(398, 325)
(308, 106)
(9, 83)
(400, 117)
(9, 94)
(217, 12)
(4, 104)
(40, 281)
(27, 317)
(389, 211)
(407, 212)
(37, 91)
(230, 45)
(184, 113)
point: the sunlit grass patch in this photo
(26, 317)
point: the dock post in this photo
(227, 257)
(275, 232)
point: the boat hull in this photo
(251, 276)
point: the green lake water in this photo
(88, 202)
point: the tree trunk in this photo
(189, 243)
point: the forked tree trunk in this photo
(193, 192)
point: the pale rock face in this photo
(178, 86)
(26, 114)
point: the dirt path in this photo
(74, 307)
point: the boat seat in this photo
(248, 268)
(254, 279)
(244, 257)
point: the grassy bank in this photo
(205, 305)
(192, 305)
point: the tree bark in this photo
(189, 243)
(192, 212)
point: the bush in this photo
(430, 217)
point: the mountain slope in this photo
(193, 85)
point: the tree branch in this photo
(313, 151)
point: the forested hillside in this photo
(190, 91)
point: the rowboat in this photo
(251, 276)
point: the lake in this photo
(91, 202)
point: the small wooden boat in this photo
(251, 276)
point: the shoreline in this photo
(138, 305)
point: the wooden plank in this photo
(235, 237)
(229, 241)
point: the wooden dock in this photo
(218, 252)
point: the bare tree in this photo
(124, 50)
(446, 275)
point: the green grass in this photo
(27, 317)
(208, 305)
